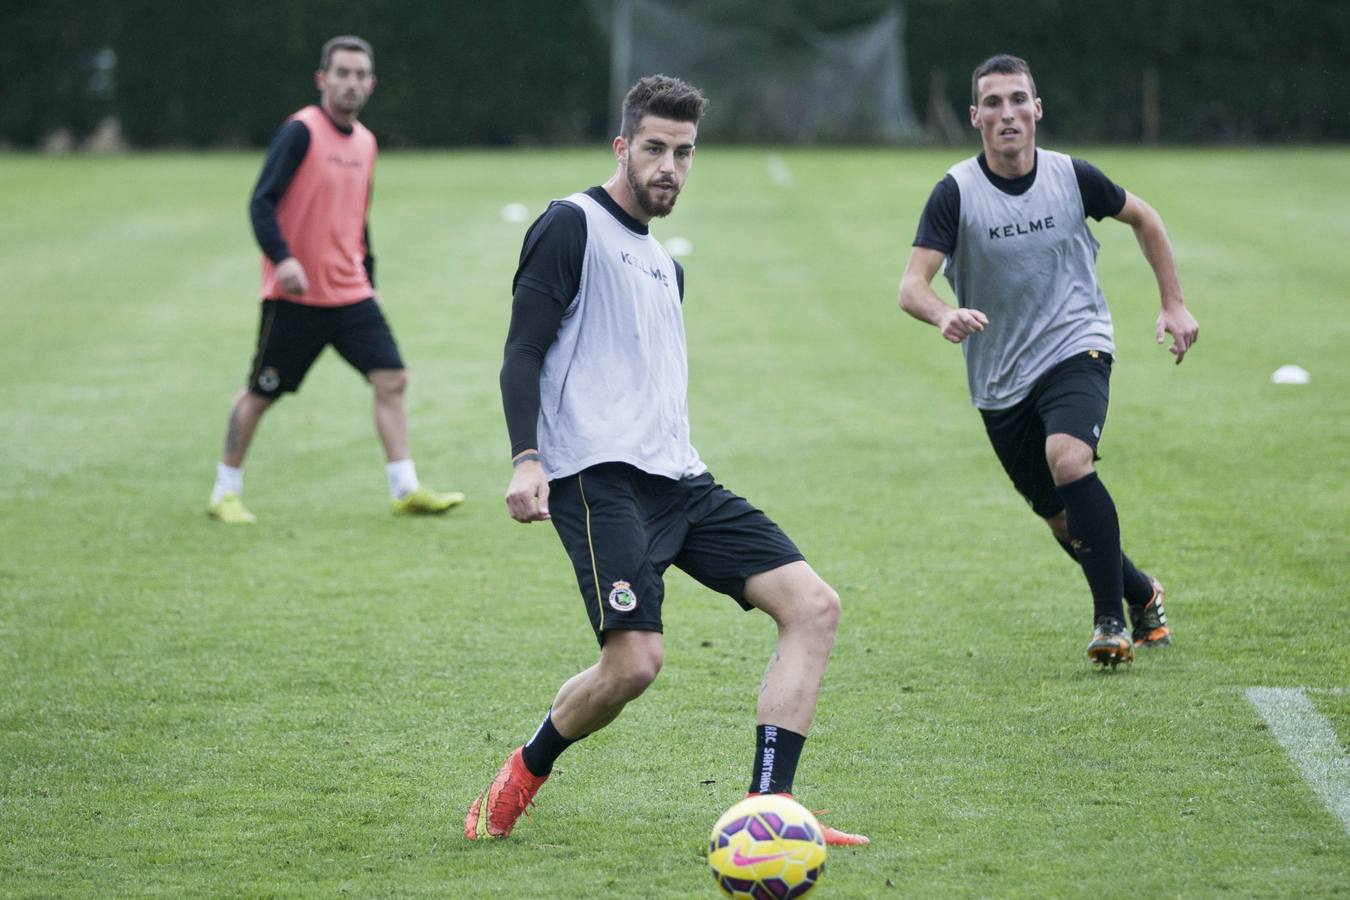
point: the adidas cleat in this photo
(1110, 645)
(1150, 620)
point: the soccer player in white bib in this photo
(1009, 230)
(594, 384)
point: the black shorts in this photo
(623, 528)
(1069, 399)
(292, 335)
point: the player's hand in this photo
(527, 494)
(959, 324)
(291, 276)
(1178, 322)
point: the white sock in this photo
(229, 480)
(402, 477)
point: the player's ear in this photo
(975, 117)
(621, 149)
(1039, 111)
(318, 78)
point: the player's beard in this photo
(648, 201)
(349, 102)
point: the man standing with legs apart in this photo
(1011, 227)
(309, 217)
(594, 386)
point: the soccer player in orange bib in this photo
(309, 213)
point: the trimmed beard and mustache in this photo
(647, 200)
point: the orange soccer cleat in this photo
(494, 812)
(833, 836)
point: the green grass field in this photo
(306, 707)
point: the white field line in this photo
(1311, 743)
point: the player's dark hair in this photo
(343, 42)
(661, 95)
(1002, 64)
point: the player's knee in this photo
(1069, 459)
(390, 382)
(628, 667)
(636, 674)
(252, 403)
(1067, 471)
(821, 608)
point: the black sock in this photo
(1138, 589)
(776, 753)
(545, 747)
(1094, 533)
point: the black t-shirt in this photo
(941, 215)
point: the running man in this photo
(1009, 228)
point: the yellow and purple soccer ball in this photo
(767, 847)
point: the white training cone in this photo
(778, 170)
(678, 246)
(1289, 375)
(515, 212)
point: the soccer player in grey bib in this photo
(1009, 229)
(594, 383)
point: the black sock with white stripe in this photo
(776, 753)
(545, 747)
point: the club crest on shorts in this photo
(268, 379)
(622, 597)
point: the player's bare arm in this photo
(1174, 319)
(918, 298)
(527, 494)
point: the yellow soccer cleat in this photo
(230, 510)
(426, 502)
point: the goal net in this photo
(847, 86)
